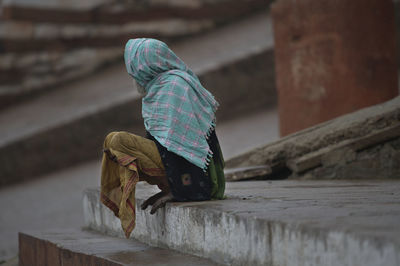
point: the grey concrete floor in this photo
(112, 249)
(55, 200)
(358, 207)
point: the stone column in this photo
(332, 57)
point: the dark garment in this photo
(187, 181)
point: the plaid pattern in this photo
(177, 110)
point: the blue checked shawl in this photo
(177, 110)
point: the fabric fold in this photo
(128, 159)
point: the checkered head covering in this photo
(177, 110)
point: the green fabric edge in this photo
(217, 176)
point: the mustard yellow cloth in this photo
(128, 159)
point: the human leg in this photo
(127, 159)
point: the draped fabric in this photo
(177, 110)
(128, 159)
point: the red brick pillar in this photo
(332, 57)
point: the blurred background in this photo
(63, 83)
(46, 43)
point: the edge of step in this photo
(247, 229)
(88, 248)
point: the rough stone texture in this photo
(380, 161)
(240, 75)
(332, 58)
(85, 248)
(273, 223)
(344, 147)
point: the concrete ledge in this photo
(84, 248)
(273, 223)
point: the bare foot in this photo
(161, 202)
(157, 201)
(152, 200)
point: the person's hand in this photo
(157, 201)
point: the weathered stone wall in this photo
(44, 43)
(363, 144)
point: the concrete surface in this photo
(50, 202)
(234, 62)
(55, 200)
(273, 223)
(242, 134)
(87, 248)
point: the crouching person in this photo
(180, 154)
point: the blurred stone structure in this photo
(234, 61)
(44, 42)
(332, 58)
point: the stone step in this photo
(68, 125)
(86, 248)
(70, 39)
(273, 223)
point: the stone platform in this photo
(273, 223)
(78, 247)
